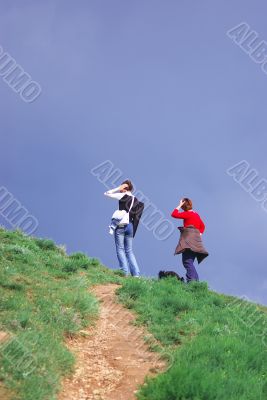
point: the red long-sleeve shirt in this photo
(190, 218)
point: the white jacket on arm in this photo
(116, 194)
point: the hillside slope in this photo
(215, 345)
(44, 297)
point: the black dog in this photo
(165, 274)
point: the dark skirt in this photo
(190, 239)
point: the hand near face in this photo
(181, 203)
(124, 187)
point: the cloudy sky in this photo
(160, 90)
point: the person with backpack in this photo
(124, 226)
(190, 243)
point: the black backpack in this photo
(136, 211)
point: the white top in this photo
(116, 194)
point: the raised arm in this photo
(177, 214)
(116, 193)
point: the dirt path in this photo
(111, 358)
(4, 393)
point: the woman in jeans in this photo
(124, 233)
(190, 243)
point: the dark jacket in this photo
(136, 211)
(190, 239)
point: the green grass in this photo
(215, 345)
(44, 297)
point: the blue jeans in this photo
(124, 249)
(188, 257)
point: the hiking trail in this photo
(4, 392)
(112, 359)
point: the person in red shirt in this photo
(190, 243)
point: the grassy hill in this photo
(43, 298)
(215, 345)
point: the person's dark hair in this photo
(188, 205)
(129, 183)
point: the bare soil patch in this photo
(112, 359)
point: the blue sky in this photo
(160, 90)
